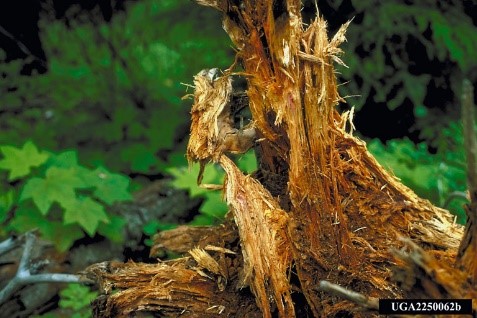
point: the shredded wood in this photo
(319, 207)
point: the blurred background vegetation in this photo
(91, 105)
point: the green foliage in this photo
(110, 187)
(77, 298)
(58, 185)
(153, 227)
(114, 229)
(213, 207)
(61, 198)
(113, 92)
(391, 33)
(114, 89)
(7, 201)
(20, 161)
(434, 177)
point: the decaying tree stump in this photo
(319, 207)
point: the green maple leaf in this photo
(202, 219)
(62, 235)
(247, 162)
(186, 178)
(214, 205)
(84, 177)
(111, 187)
(77, 297)
(66, 159)
(27, 217)
(114, 229)
(19, 161)
(86, 212)
(58, 185)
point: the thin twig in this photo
(24, 276)
(20, 45)
(25, 260)
(360, 299)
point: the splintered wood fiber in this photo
(346, 210)
(322, 208)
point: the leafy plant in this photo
(20, 161)
(117, 81)
(77, 298)
(380, 45)
(432, 176)
(214, 208)
(61, 198)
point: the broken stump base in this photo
(207, 283)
